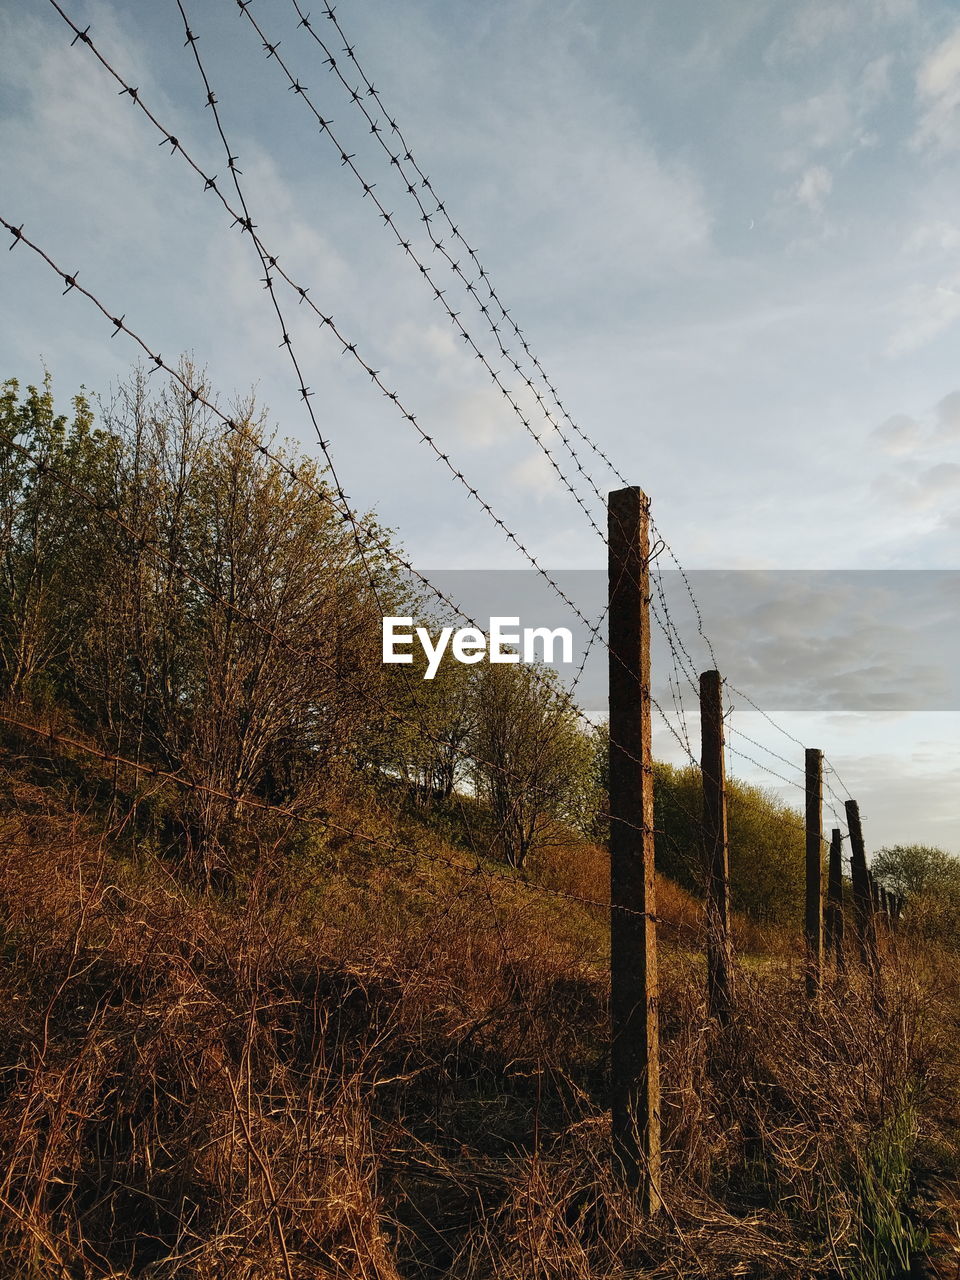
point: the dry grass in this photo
(345, 1068)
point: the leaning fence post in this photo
(715, 850)
(634, 996)
(862, 895)
(813, 918)
(834, 915)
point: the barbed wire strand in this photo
(389, 222)
(665, 624)
(406, 155)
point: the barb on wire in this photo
(765, 768)
(791, 764)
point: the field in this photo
(348, 1064)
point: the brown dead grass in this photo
(358, 1067)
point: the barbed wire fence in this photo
(507, 362)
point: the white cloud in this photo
(535, 475)
(948, 416)
(810, 25)
(814, 187)
(938, 93)
(900, 434)
(813, 24)
(928, 310)
(826, 130)
(939, 235)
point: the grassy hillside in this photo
(355, 1063)
(305, 958)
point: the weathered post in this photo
(634, 995)
(862, 895)
(716, 851)
(875, 893)
(834, 916)
(813, 919)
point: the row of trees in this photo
(199, 605)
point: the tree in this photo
(220, 625)
(916, 870)
(531, 756)
(425, 741)
(766, 839)
(929, 880)
(51, 551)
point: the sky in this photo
(728, 233)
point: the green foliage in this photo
(886, 1243)
(766, 836)
(928, 878)
(223, 626)
(766, 843)
(50, 549)
(532, 757)
(916, 870)
(426, 741)
(183, 598)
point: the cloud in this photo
(826, 130)
(938, 93)
(940, 236)
(928, 311)
(604, 204)
(931, 492)
(937, 482)
(899, 434)
(811, 24)
(948, 416)
(813, 188)
(535, 475)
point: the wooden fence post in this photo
(834, 916)
(634, 996)
(716, 852)
(875, 895)
(862, 895)
(813, 918)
